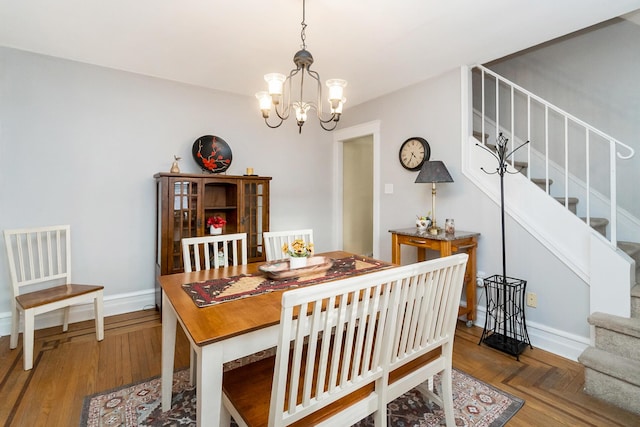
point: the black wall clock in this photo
(414, 152)
(212, 153)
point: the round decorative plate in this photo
(212, 153)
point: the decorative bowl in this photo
(281, 269)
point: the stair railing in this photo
(614, 145)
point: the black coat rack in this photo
(504, 328)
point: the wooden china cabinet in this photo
(185, 201)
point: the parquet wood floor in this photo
(69, 366)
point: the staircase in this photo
(612, 363)
(612, 366)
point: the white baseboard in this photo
(554, 341)
(114, 304)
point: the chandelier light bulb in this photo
(301, 111)
(275, 81)
(336, 90)
(264, 99)
(338, 109)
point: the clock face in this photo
(212, 153)
(414, 152)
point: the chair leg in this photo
(27, 339)
(447, 397)
(98, 307)
(15, 327)
(379, 416)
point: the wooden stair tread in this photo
(56, 293)
(571, 199)
(541, 181)
(631, 248)
(478, 135)
(596, 222)
(518, 163)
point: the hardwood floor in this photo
(70, 366)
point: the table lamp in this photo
(433, 171)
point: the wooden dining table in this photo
(217, 333)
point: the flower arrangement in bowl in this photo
(298, 252)
(423, 222)
(215, 224)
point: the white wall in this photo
(79, 144)
(432, 110)
(592, 74)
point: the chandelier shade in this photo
(278, 96)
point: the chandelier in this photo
(281, 86)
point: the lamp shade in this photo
(433, 171)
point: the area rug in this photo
(137, 405)
(231, 288)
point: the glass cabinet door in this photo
(253, 218)
(185, 222)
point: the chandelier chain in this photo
(303, 35)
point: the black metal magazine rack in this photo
(505, 328)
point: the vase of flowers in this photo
(298, 252)
(215, 224)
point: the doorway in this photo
(357, 195)
(356, 201)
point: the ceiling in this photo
(379, 46)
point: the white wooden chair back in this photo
(427, 316)
(202, 253)
(274, 240)
(38, 255)
(331, 344)
(40, 270)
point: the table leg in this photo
(169, 322)
(471, 287)
(445, 248)
(395, 249)
(209, 411)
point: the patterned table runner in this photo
(215, 291)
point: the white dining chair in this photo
(40, 270)
(207, 252)
(274, 240)
(427, 323)
(204, 253)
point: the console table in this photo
(445, 244)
